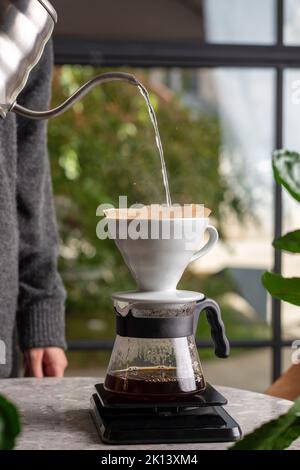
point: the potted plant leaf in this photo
(286, 168)
(9, 424)
(280, 433)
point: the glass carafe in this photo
(155, 354)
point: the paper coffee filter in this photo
(156, 211)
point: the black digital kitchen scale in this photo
(199, 418)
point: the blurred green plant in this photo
(280, 433)
(277, 434)
(286, 167)
(9, 424)
(104, 147)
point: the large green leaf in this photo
(277, 434)
(9, 424)
(289, 242)
(286, 167)
(287, 289)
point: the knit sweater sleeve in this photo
(40, 315)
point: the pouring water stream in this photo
(152, 115)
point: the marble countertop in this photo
(55, 414)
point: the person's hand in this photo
(45, 362)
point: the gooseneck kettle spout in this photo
(80, 93)
(25, 28)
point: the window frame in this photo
(192, 55)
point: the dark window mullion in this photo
(107, 345)
(280, 22)
(276, 303)
(182, 54)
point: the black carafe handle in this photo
(214, 318)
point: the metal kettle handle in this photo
(214, 318)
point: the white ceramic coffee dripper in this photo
(159, 257)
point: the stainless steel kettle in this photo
(25, 28)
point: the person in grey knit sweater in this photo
(32, 295)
